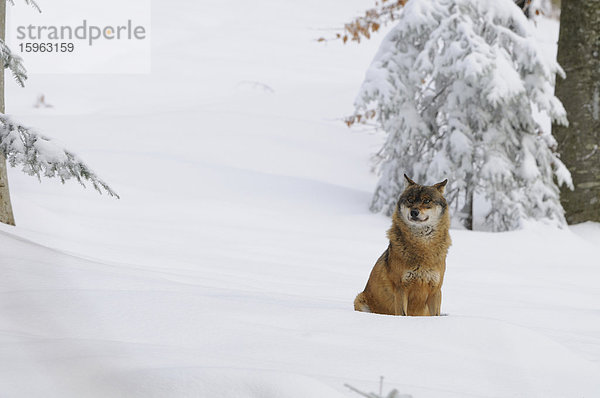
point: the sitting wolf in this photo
(407, 278)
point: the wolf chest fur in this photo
(407, 278)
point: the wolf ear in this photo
(440, 186)
(410, 182)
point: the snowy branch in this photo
(41, 156)
(28, 2)
(14, 63)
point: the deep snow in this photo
(230, 264)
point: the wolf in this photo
(407, 278)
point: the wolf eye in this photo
(426, 201)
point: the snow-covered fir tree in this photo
(455, 86)
(19, 145)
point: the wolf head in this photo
(420, 205)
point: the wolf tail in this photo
(360, 303)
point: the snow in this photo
(229, 265)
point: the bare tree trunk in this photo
(6, 212)
(578, 144)
(467, 209)
(525, 5)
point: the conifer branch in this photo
(40, 156)
(29, 3)
(14, 63)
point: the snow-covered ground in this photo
(230, 264)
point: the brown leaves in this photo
(360, 118)
(384, 12)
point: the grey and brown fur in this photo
(407, 278)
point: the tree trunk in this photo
(525, 5)
(579, 55)
(467, 210)
(6, 212)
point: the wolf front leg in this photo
(401, 302)
(434, 302)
